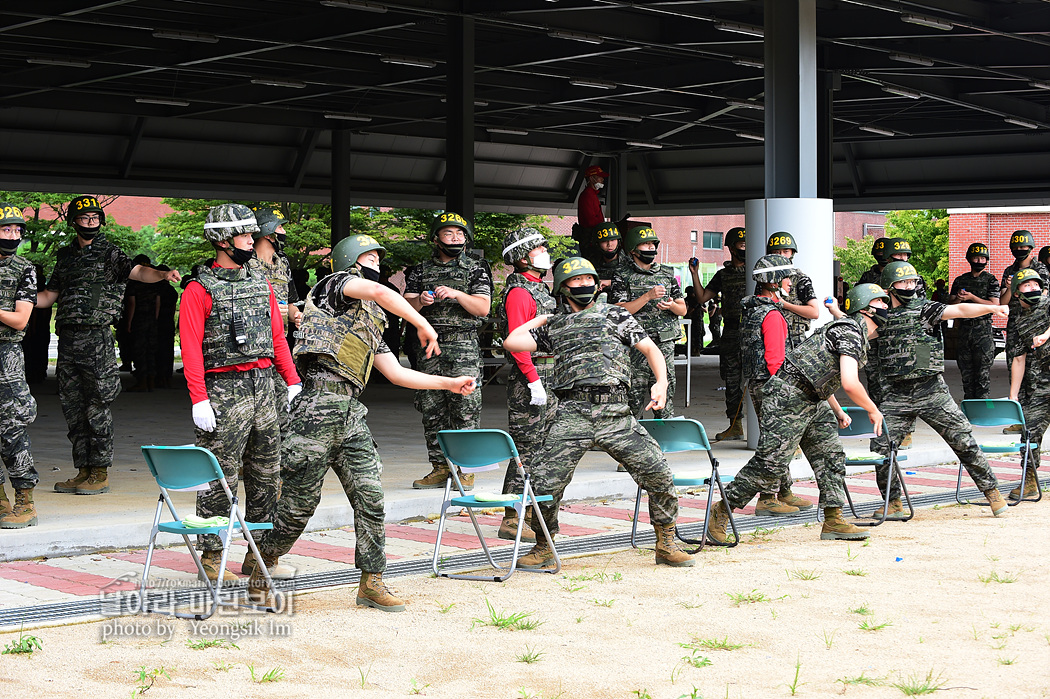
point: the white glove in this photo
(204, 416)
(539, 395)
(294, 390)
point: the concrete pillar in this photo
(459, 140)
(340, 184)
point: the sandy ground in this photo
(613, 625)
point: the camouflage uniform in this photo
(731, 282)
(911, 360)
(801, 294)
(1035, 401)
(1012, 347)
(17, 283)
(974, 346)
(591, 379)
(279, 274)
(795, 412)
(871, 372)
(336, 343)
(663, 327)
(460, 353)
(90, 283)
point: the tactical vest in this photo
(607, 269)
(906, 350)
(587, 354)
(344, 343)
(238, 330)
(447, 315)
(797, 325)
(662, 326)
(980, 286)
(87, 297)
(734, 284)
(1029, 323)
(752, 345)
(545, 303)
(279, 274)
(818, 364)
(12, 269)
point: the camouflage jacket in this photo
(17, 283)
(590, 346)
(630, 282)
(984, 286)
(466, 274)
(90, 282)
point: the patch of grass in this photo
(752, 597)
(642, 694)
(570, 586)
(147, 678)
(446, 608)
(202, 643)
(696, 660)
(976, 636)
(1005, 661)
(795, 684)
(802, 574)
(850, 556)
(917, 685)
(996, 578)
(604, 602)
(694, 694)
(829, 637)
(858, 572)
(416, 688)
(514, 621)
(579, 619)
(275, 674)
(872, 625)
(363, 674)
(861, 679)
(689, 604)
(25, 645)
(763, 534)
(224, 667)
(863, 610)
(712, 644)
(530, 656)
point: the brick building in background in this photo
(993, 228)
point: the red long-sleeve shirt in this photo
(521, 308)
(589, 209)
(774, 337)
(193, 310)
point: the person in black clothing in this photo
(37, 340)
(169, 301)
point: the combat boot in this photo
(5, 504)
(373, 592)
(1011, 429)
(276, 570)
(906, 442)
(508, 528)
(435, 479)
(735, 431)
(96, 483)
(836, 528)
(23, 514)
(895, 514)
(211, 560)
(717, 530)
(71, 485)
(769, 505)
(668, 552)
(540, 556)
(1031, 486)
(995, 499)
(786, 497)
(467, 481)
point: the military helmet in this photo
(896, 245)
(572, 267)
(607, 231)
(1020, 239)
(86, 204)
(878, 249)
(451, 219)
(1044, 254)
(227, 220)
(1026, 275)
(733, 236)
(861, 296)
(9, 213)
(347, 250)
(976, 249)
(638, 235)
(268, 218)
(772, 269)
(781, 241)
(897, 271)
(518, 244)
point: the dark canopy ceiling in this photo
(239, 97)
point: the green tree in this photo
(927, 231)
(855, 259)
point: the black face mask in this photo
(9, 247)
(740, 255)
(370, 274)
(239, 257)
(86, 233)
(880, 317)
(282, 237)
(1021, 254)
(905, 295)
(610, 255)
(646, 256)
(1032, 296)
(582, 295)
(451, 250)
(976, 267)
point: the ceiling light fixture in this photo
(346, 117)
(876, 130)
(749, 62)
(901, 92)
(909, 58)
(930, 22)
(477, 103)
(1021, 122)
(64, 62)
(1039, 85)
(409, 61)
(507, 130)
(279, 83)
(748, 29)
(175, 35)
(751, 136)
(575, 36)
(355, 5)
(596, 84)
(745, 104)
(645, 144)
(620, 117)
(160, 100)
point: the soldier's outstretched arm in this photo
(701, 294)
(409, 378)
(844, 419)
(851, 384)
(1017, 375)
(810, 309)
(46, 298)
(653, 355)
(392, 301)
(974, 310)
(520, 338)
(18, 318)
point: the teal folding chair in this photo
(188, 467)
(861, 428)
(680, 435)
(996, 412)
(475, 451)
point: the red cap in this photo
(595, 170)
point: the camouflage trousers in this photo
(445, 410)
(974, 353)
(754, 389)
(19, 409)
(732, 372)
(245, 436)
(328, 431)
(928, 398)
(642, 380)
(527, 424)
(88, 383)
(575, 428)
(280, 399)
(790, 419)
(1035, 402)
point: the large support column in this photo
(617, 202)
(340, 184)
(459, 141)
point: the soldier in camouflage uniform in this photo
(800, 303)
(611, 254)
(799, 408)
(592, 376)
(17, 296)
(731, 282)
(231, 335)
(453, 291)
(529, 406)
(1031, 331)
(650, 292)
(765, 338)
(911, 364)
(340, 337)
(88, 283)
(974, 345)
